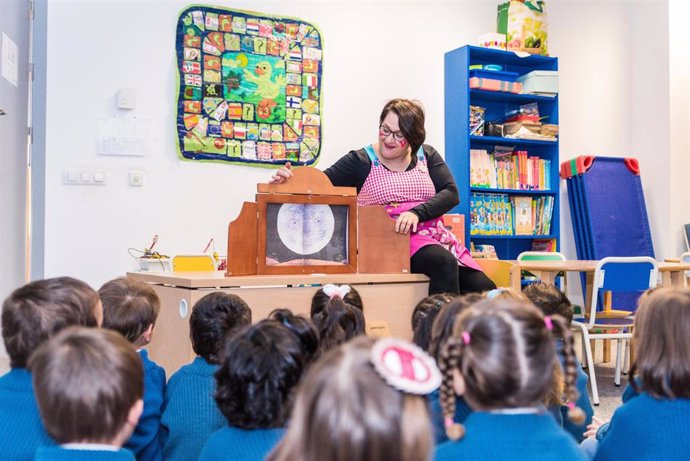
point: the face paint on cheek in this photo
(402, 143)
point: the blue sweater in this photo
(145, 441)
(231, 443)
(21, 429)
(190, 414)
(528, 437)
(65, 454)
(462, 411)
(646, 428)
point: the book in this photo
(523, 215)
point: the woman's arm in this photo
(350, 171)
(446, 190)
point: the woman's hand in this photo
(593, 427)
(406, 222)
(283, 174)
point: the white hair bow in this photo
(335, 290)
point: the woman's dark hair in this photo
(549, 299)
(261, 366)
(505, 352)
(303, 328)
(337, 323)
(442, 327)
(213, 317)
(320, 299)
(410, 119)
(423, 317)
(662, 341)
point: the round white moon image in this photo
(305, 228)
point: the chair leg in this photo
(590, 365)
(626, 361)
(619, 350)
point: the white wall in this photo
(372, 52)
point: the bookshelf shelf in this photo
(492, 140)
(490, 190)
(458, 98)
(504, 97)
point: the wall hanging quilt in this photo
(249, 87)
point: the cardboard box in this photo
(540, 82)
(495, 85)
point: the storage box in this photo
(492, 40)
(540, 82)
(495, 85)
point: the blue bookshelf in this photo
(458, 98)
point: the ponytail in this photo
(561, 329)
(337, 323)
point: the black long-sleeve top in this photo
(352, 170)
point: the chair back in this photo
(622, 274)
(685, 259)
(497, 270)
(541, 256)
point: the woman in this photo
(414, 184)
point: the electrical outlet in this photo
(136, 178)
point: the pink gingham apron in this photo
(400, 191)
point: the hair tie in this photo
(405, 366)
(548, 322)
(333, 290)
(495, 292)
(465, 337)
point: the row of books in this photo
(501, 214)
(487, 251)
(511, 170)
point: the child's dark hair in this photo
(129, 306)
(549, 299)
(213, 317)
(505, 351)
(338, 322)
(442, 328)
(303, 328)
(86, 382)
(320, 298)
(423, 317)
(38, 310)
(662, 335)
(261, 366)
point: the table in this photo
(672, 273)
(388, 299)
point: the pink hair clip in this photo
(548, 322)
(334, 290)
(570, 405)
(465, 337)
(405, 366)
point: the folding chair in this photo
(616, 275)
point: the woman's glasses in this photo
(384, 131)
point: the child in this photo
(655, 423)
(348, 293)
(261, 366)
(190, 414)
(335, 319)
(552, 301)
(30, 316)
(131, 308)
(441, 330)
(501, 358)
(303, 328)
(89, 385)
(347, 410)
(423, 317)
